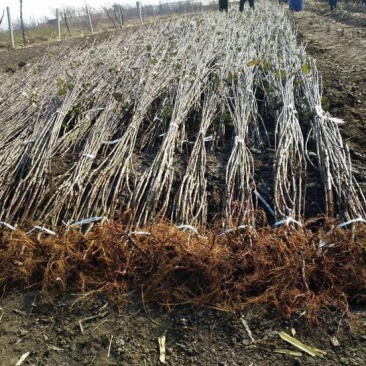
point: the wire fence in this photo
(72, 22)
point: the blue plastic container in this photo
(296, 5)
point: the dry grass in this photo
(281, 269)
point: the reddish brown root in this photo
(281, 269)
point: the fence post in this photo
(58, 24)
(89, 20)
(120, 12)
(10, 24)
(139, 15)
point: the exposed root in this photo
(291, 271)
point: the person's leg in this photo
(226, 7)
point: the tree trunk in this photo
(66, 22)
(2, 17)
(121, 15)
(109, 16)
(22, 22)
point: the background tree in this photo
(118, 13)
(114, 14)
(109, 15)
(2, 16)
(22, 21)
(66, 13)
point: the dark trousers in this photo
(224, 5)
(333, 4)
(242, 2)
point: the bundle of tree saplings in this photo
(211, 116)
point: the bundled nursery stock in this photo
(192, 119)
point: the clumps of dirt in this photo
(347, 13)
(283, 270)
(12, 60)
(344, 85)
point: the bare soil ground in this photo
(338, 43)
(91, 332)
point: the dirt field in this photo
(54, 336)
(339, 45)
(12, 60)
(92, 333)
